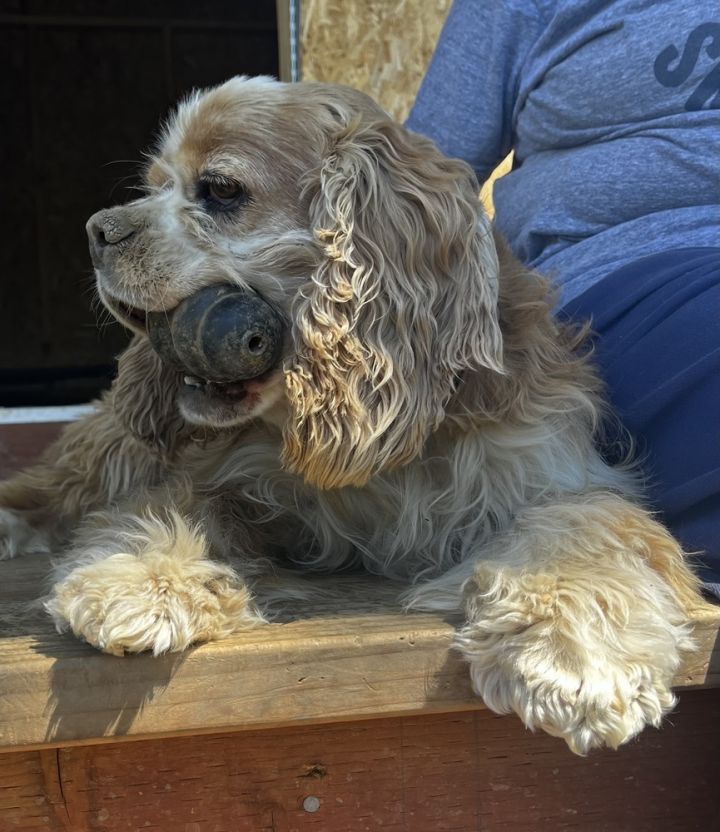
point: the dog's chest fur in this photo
(417, 521)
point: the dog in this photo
(426, 417)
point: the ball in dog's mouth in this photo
(225, 341)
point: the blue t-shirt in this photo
(613, 111)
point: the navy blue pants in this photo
(657, 344)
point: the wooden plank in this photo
(363, 659)
(30, 798)
(445, 773)
(354, 656)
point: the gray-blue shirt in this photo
(613, 110)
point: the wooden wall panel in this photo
(30, 793)
(444, 773)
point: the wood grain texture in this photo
(438, 773)
(30, 796)
(353, 655)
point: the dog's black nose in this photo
(107, 228)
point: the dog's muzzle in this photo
(221, 334)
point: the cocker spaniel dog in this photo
(337, 362)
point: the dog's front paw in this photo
(593, 668)
(157, 599)
(590, 702)
(17, 536)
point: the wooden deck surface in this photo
(354, 655)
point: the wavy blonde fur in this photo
(404, 303)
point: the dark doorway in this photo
(84, 87)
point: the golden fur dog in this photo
(429, 420)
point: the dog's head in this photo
(367, 243)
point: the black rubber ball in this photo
(221, 334)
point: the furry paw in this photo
(17, 536)
(591, 666)
(163, 597)
(604, 703)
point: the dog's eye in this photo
(224, 191)
(221, 193)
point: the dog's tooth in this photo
(191, 381)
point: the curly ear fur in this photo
(143, 397)
(405, 301)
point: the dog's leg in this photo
(576, 620)
(137, 583)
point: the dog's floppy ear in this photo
(143, 397)
(404, 301)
